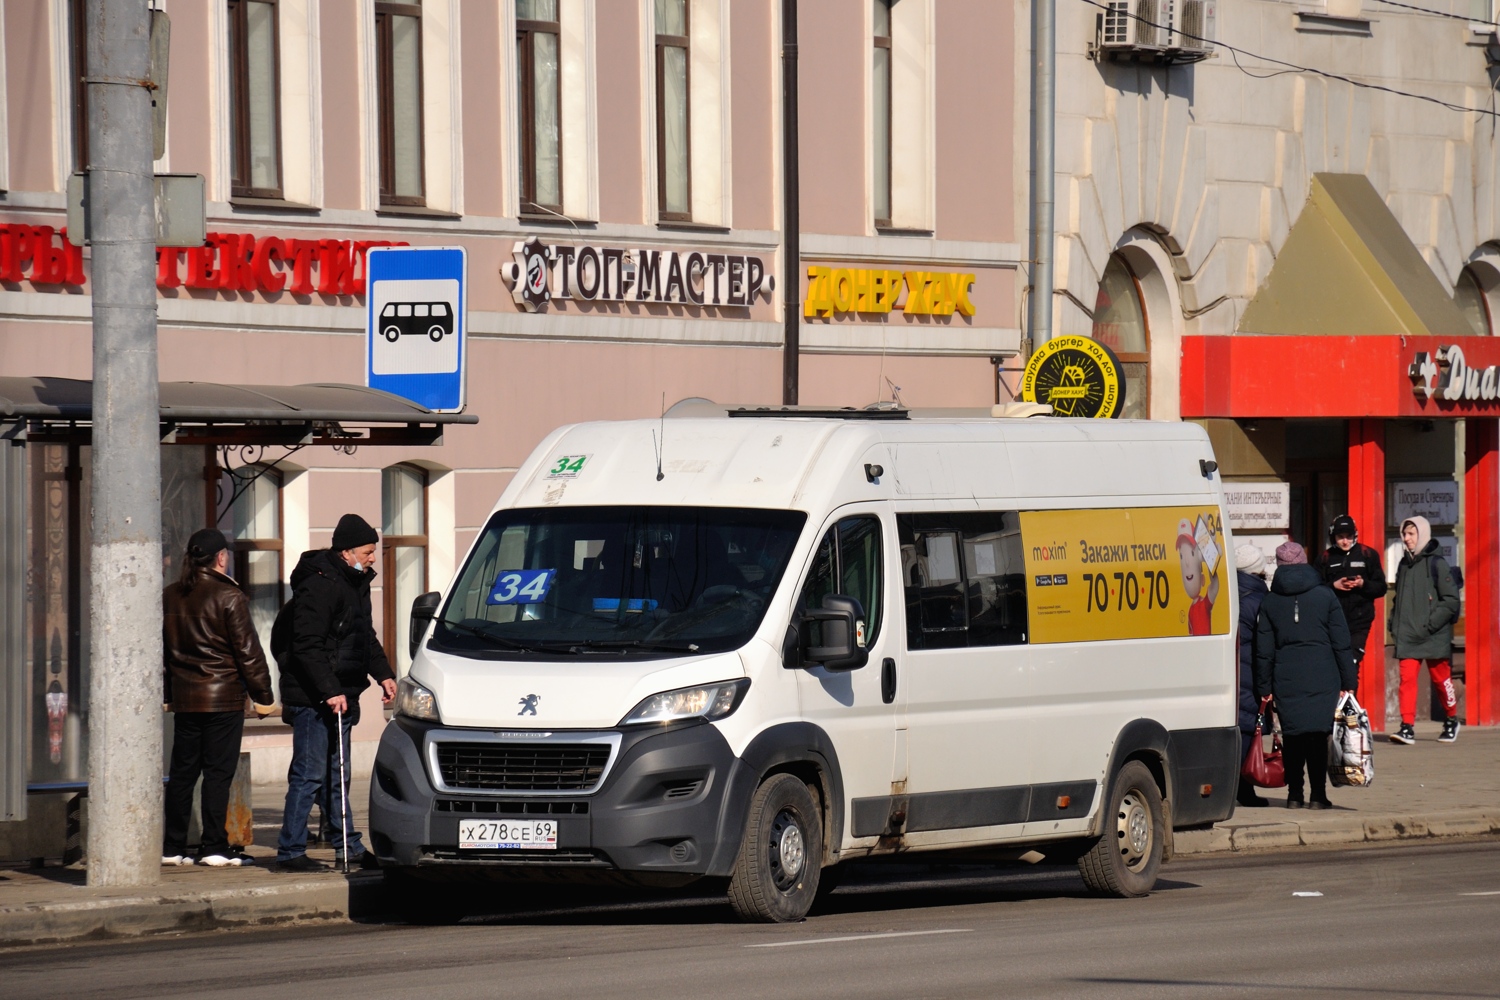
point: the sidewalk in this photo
(1423, 791)
(1431, 789)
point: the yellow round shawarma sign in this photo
(1077, 376)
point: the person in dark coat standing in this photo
(1422, 614)
(211, 659)
(1302, 658)
(1250, 569)
(326, 646)
(1353, 571)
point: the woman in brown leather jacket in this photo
(212, 659)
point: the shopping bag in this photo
(1262, 769)
(1351, 758)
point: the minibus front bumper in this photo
(671, 800)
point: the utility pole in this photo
(125, 721)
(791, 210)
(1043, 144)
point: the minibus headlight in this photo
(708, 701)
(416, 702)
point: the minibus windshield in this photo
(617, 582)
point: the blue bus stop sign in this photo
(415, 328)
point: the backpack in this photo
(281, 631)
(1454, 573)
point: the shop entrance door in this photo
(1317, 470)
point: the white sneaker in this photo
(225, 860)
(176, 859)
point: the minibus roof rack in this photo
(700, 408)
(826, 412)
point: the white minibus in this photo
(754, 643)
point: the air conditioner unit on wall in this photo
(1196, 31)
(1156, 30)
(1136, 24)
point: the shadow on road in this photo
(863, 888)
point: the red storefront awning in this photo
(1246, 375)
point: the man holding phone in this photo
(1353, 571)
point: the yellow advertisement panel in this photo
(1136, 573)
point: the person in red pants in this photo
(1422, 614)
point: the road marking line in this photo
(1496, 893)
(858, 937)
(1307, 894)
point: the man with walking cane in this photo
(324, 641)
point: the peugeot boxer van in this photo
(756, 643)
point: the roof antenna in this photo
(660, 445)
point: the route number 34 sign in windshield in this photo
(567, 466)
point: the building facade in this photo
(631, 151)
(1283, 218)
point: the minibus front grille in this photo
(522, 767)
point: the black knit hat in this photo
(352, 532)
(206, 542)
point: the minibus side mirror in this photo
(843, 634)
(423, 610)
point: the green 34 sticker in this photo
(567, 466)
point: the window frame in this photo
(683, 41)
(526, 30)
(883, 42)
(1136, 357)
(385, 105)
(389, 545)
(241, 154)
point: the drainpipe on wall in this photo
(791, 222)
(1043, 136)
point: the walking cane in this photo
(343, 800)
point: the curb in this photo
(157, 913)
(1331, 831)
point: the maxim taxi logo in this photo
(1049, 552)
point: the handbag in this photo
(1351, 758)
(1262, 769)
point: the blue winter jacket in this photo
(1252, 590)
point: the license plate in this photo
(507, 834)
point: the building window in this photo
(79, 53)
(398, 84)
(673, 163)
(539, 92)
(250, 513)
(254, 99)
(1468, 295)
(880, 112)
(1120, 324)
(403, 556)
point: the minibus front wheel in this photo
(1128, 854)
(775, 877)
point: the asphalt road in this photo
(1390, 922)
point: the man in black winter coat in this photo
(326, 646)
(1353, 571)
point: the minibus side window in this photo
(964, 578)
(847, 562)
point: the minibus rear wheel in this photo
(776, 875)
(1127, 856)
